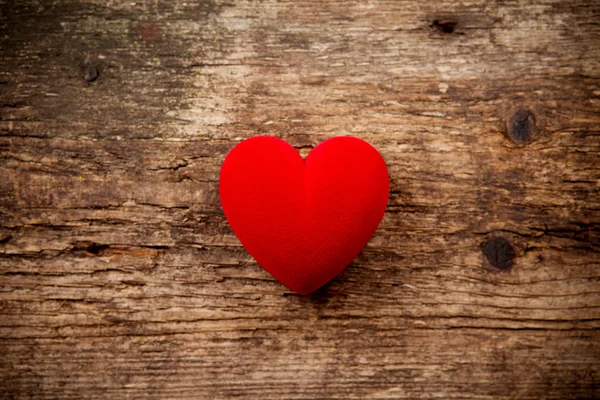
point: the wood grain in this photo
(120, 277)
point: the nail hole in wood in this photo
(521, 126)
(499, 252)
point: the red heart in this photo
(304, 221)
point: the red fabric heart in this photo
(304, 221)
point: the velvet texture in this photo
(304, 221)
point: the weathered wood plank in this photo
(120, 276)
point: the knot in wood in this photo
(90, 73)
(499, 252)
(521, 125)
(445, 25)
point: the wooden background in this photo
(120, 277)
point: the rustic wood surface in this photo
(120, 277)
